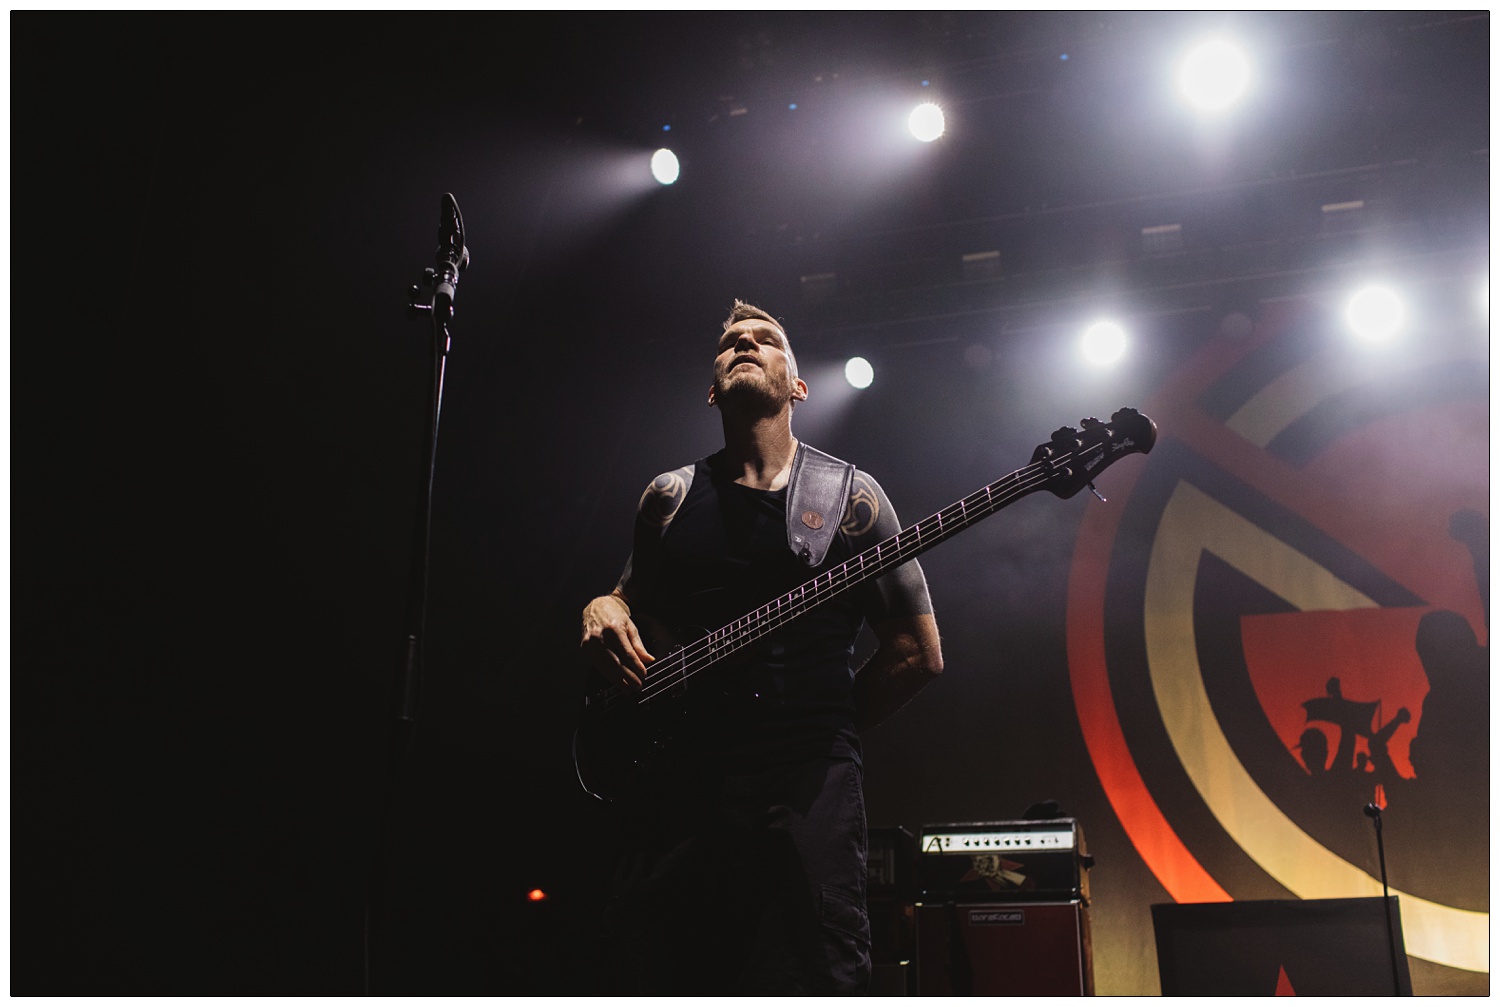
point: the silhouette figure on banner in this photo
(1354, 720)
(1450, 752)
(1452, 742)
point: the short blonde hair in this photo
(742, 311)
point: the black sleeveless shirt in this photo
(723, 555)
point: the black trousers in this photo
(743, 885)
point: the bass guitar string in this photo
(729, 639)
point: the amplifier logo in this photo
(997, 917)
(1283, 616)
(995, 871)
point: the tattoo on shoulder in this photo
(665, 494)
(863, 509)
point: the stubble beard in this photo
(756, 394)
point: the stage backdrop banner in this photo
(1284, 618)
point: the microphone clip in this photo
(452, 259)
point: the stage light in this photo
(664, 166)
(536, 895)
(982, 265)
(926, 122)
(819, 287)
(858, 372)
(1103, 343)
(1214, 76)
(1161, 239)
(1375, 314)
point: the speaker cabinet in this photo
(1282, 947)
(1004, 949)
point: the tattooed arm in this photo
(909, 656)
(611, 642)
(898, 609)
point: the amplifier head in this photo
(1022, 860)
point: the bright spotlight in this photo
(926, 122)
(1375, 314)
(1103, 343)
(664, 166)
(1214, 76)
(858, 372)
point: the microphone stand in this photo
(452, 258)
(1372, 810)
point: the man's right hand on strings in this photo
(611, 644)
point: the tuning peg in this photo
(1091, 423)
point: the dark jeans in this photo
(744, 885)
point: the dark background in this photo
(218, 405)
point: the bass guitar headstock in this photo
(1072, 459)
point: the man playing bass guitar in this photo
(741, 868)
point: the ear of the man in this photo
(710, 394)
(799, 390)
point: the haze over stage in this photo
(217, 423)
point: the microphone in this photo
(451, 248)
(452, 256)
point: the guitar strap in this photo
(818, 492)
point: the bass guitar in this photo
(620, 731)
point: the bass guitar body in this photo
(622, 734)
